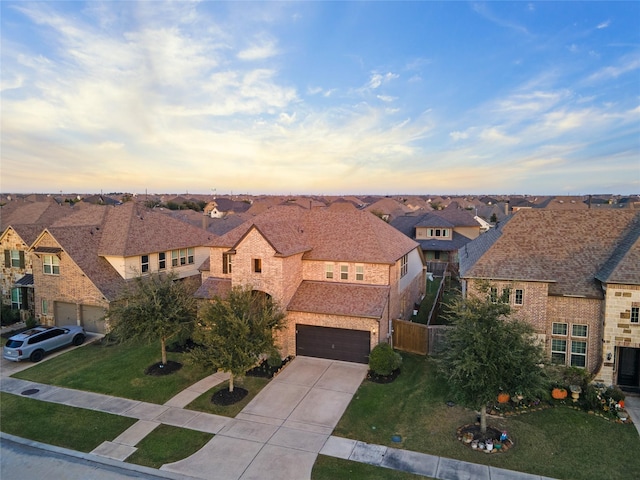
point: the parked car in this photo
(34, 343)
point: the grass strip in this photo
(115, 370)
(252, 384)
(167, 444)
(60, 425)
(330, 468)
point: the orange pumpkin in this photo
(559, 393)
(503, 397)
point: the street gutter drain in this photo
(30, 391)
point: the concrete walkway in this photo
(278, 435)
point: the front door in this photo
(629, 368)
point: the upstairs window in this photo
(227, 263)
(360, 272)
(184, 256)
(50, 265)
(635, 314)
(404, 265)
(519, 297)
(506, 295)
(162, 260)
(144, 263)
(344, 272)
(579, 331)
(493, 295)
(328, 271)
(438, 232)
(559, 329)
(257, 265)
(16, 258)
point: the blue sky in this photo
(321, 97)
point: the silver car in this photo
(32, 344)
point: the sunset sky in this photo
(320, 97)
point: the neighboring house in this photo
(341, 275)
(387, 209)
(221, 207)
(575, 276)
(81, 263)
(17, 268)
(440, 233)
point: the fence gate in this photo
(410, 337)
(436, 338)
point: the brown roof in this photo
(565, 248)
(214, 287)
(340, 299)
(132, 229)
(336, 234)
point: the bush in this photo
(9, 315)
(383, 360)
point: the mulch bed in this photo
(470, 434)
(160, 369)
(264, 370)
(374, 377)
(224, 397)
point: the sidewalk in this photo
(173, 413)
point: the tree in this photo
(233, 332)
(154, 307)
(488, 351)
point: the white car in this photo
(34, 343)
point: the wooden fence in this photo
(410, 337)
(436, 338)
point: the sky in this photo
(326, 98)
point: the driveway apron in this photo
(279, 433)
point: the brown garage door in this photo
(333, 343)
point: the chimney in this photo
(506, 208)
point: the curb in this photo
(149, 472)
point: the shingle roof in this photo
(334, 233)
(623, 267)
(131, 229)
(213, 287)
(340, 299)
(565, 248)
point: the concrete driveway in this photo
(279, 433)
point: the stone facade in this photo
(10, 274)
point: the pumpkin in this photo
(503, 397)
(559, 393)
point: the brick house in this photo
(340, 274)
(82, 262)
(574, 275)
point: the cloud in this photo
(260, 51)
(386, 98)
(604, 24)
(456, 136)
(625, 65)
(377, 79)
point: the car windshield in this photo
(14, 343)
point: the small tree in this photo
(233, 332)
(154, 307)
(487, 351)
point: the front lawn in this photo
(115, 370)
(330, 468)
(252, 384)
(61, 425)
(557, 442)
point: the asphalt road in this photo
(25, 462)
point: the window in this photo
(227, 263)
(558, 351)
(15, 258)
(144, 263)
(404, 265)
(162, 260)
(559, 329)
(519, 297)
(257, 265)
(635, 314)
(45, 307)
(493, 295)
(344, 272)
(360, 272)
(51, 265)
(16, 298)
(578, 354)
(184, 256)
(506, 295)
(438, 232)
(579, 331)
(328, 270)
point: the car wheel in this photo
(78, 339)
(37, 356)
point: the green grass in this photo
(74, 428)
(115, 370)
(203, 403)
(558, 442)
(167, 444)
(329, 468)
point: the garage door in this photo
(333, 343)
(92, 317)
(65, 314)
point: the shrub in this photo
(31, 322)
(383, 360)
(9, 315)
